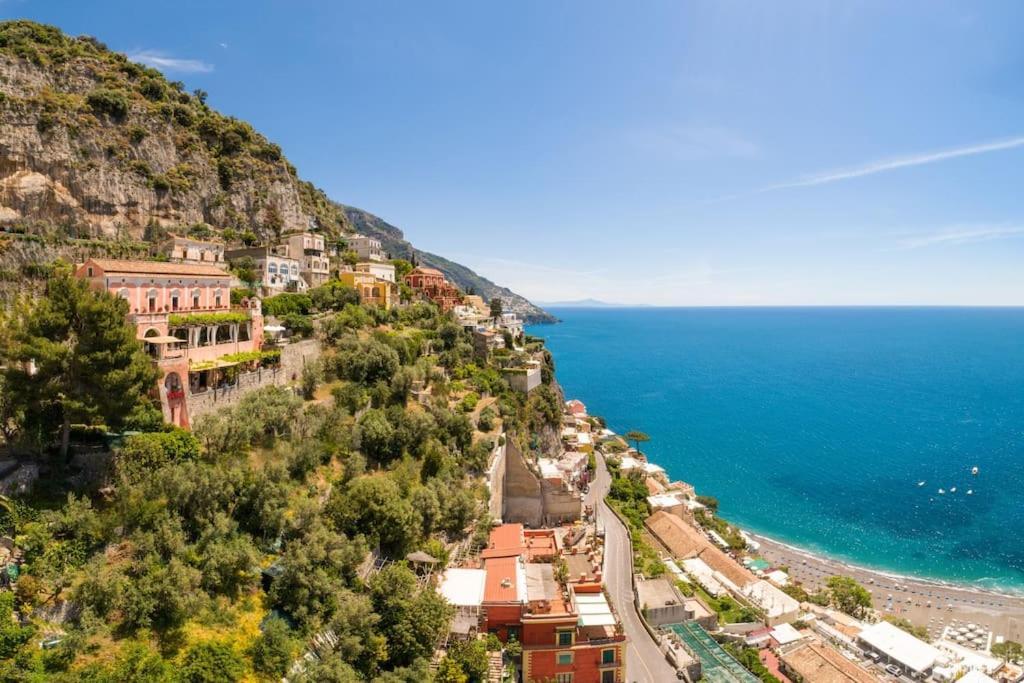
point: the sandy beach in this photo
(927, 603)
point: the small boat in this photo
(953, 490)
(921, 483)
(970, 492)
(942, 492)
(974, 470)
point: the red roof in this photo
(505, 541)
(501, 584)
(423, 270)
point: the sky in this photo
(668, 153)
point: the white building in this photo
(368, 248)
(778, 607)
(670, 503)
(895, 646)
(383, 271)
(524, 379)
(308, 248)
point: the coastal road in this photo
(645, 663)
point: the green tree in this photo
(411, 619)
(88, 364)
(12, 635)
(472, 658)
(317, 568)
(377, 436)
(245, 269)
(449, 671)
(141, 454)
(497, 308)
(637, 437)
(272, 652)
(375, 507)
(848, 596)
(211, 662)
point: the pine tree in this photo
(88, 365)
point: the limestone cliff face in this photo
(104, 146)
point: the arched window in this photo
(272, 268)
(175, 299)
(216, 298)
(295, 269)
(123, 293)
(151, 297)
(196, 294)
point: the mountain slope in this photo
(98, 153)
(394, 242)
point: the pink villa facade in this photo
(183, 313)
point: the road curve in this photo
(645, 663)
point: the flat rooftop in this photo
(900, 646)
(657, 593)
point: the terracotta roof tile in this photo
(111, 266)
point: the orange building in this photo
(432, 284)
(568, 632)
(183, 314)
(574, 641)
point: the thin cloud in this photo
(165, 62)
(886, 165)
(874, 167)
(962, 235)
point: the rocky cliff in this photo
(394, 242)
(96, 148)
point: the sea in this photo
(831, 429)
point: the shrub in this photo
(152, 89)
(287, 302)
(274, 648)
(486, 421)
(114, 103)
(137, 134)
(143, 453)
(469, 402)
(211, 662)
(299, 325)
(183, 115)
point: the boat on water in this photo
(921, 483)
(942, 492)
(970, 492)
(953, 490)
(974, 470)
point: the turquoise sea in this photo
(815, 425)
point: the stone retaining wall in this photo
(294, 357)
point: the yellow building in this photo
(372, 289)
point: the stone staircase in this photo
(495, 667)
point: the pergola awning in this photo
(162, 340)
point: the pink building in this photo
(183, 313)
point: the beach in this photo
(911, 597)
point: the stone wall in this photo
(522, 497)
(496, 480)
(532, 501)
(293, 358)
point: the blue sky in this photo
(648, 152)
